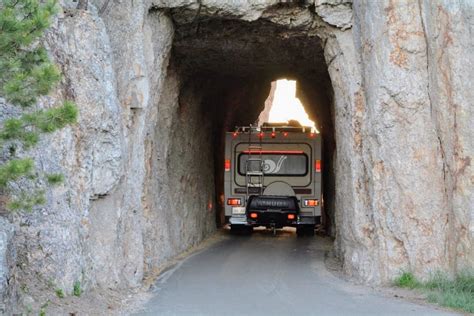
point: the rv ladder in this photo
(254, 167)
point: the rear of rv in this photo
(291, 179)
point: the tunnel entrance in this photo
(282, 105)
(222, 70)
(220, 60)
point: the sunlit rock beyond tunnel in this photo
(158, 83)
(282, 105)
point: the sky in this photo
(286, 106)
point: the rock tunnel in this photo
(231, 71)
(218, 75)
(159, 83)
(218, 80)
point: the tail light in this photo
(227, 165)
(273, 134)
(285, 134)
(310, 203)
(317, 165)
(291, 216)
(253, 215)
(234, 201)
(235, 134)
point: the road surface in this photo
(266, 275)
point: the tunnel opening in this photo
(282, 105)
(233, 69)
(219, 76)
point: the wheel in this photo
(249, 230)
(236, 229)
(300, 231)
(305, 230)
(241, 229)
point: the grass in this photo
(456, 293)
(42, 311)
(77, 291)
(407, 280)
(59, 293)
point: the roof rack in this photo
(273, 127)
(292, 123)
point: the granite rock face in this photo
(400, 106)
(413, 204)
(6, 232)
(335, 12)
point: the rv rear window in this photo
(275, 164)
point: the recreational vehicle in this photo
(273, 177)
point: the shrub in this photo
(26, 73)
(77, 291)
(407, 280)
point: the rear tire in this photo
(241, 229)
(249, 230)
(305, 230)
(300, 231)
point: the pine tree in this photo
(26, 73)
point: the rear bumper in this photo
(300, 220)
(238, 220)
(273, 211)
(273, 217)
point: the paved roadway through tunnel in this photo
(265, 275)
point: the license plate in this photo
(238, 210)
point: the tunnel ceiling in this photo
(227, 52)
(248, 49)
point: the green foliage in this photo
(455, 293)
(59, 293)
(43, 307)
(26, 201)
(26, 73)
(53, 119)
(406, 280)
(14, 169)
(55, 178)
(25, 128)
(77, 291)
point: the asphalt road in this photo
(266, 275)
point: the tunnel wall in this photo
(403, 175)
(321, 107)
(180, 197)
(409, 206)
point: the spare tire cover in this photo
(279, 188)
